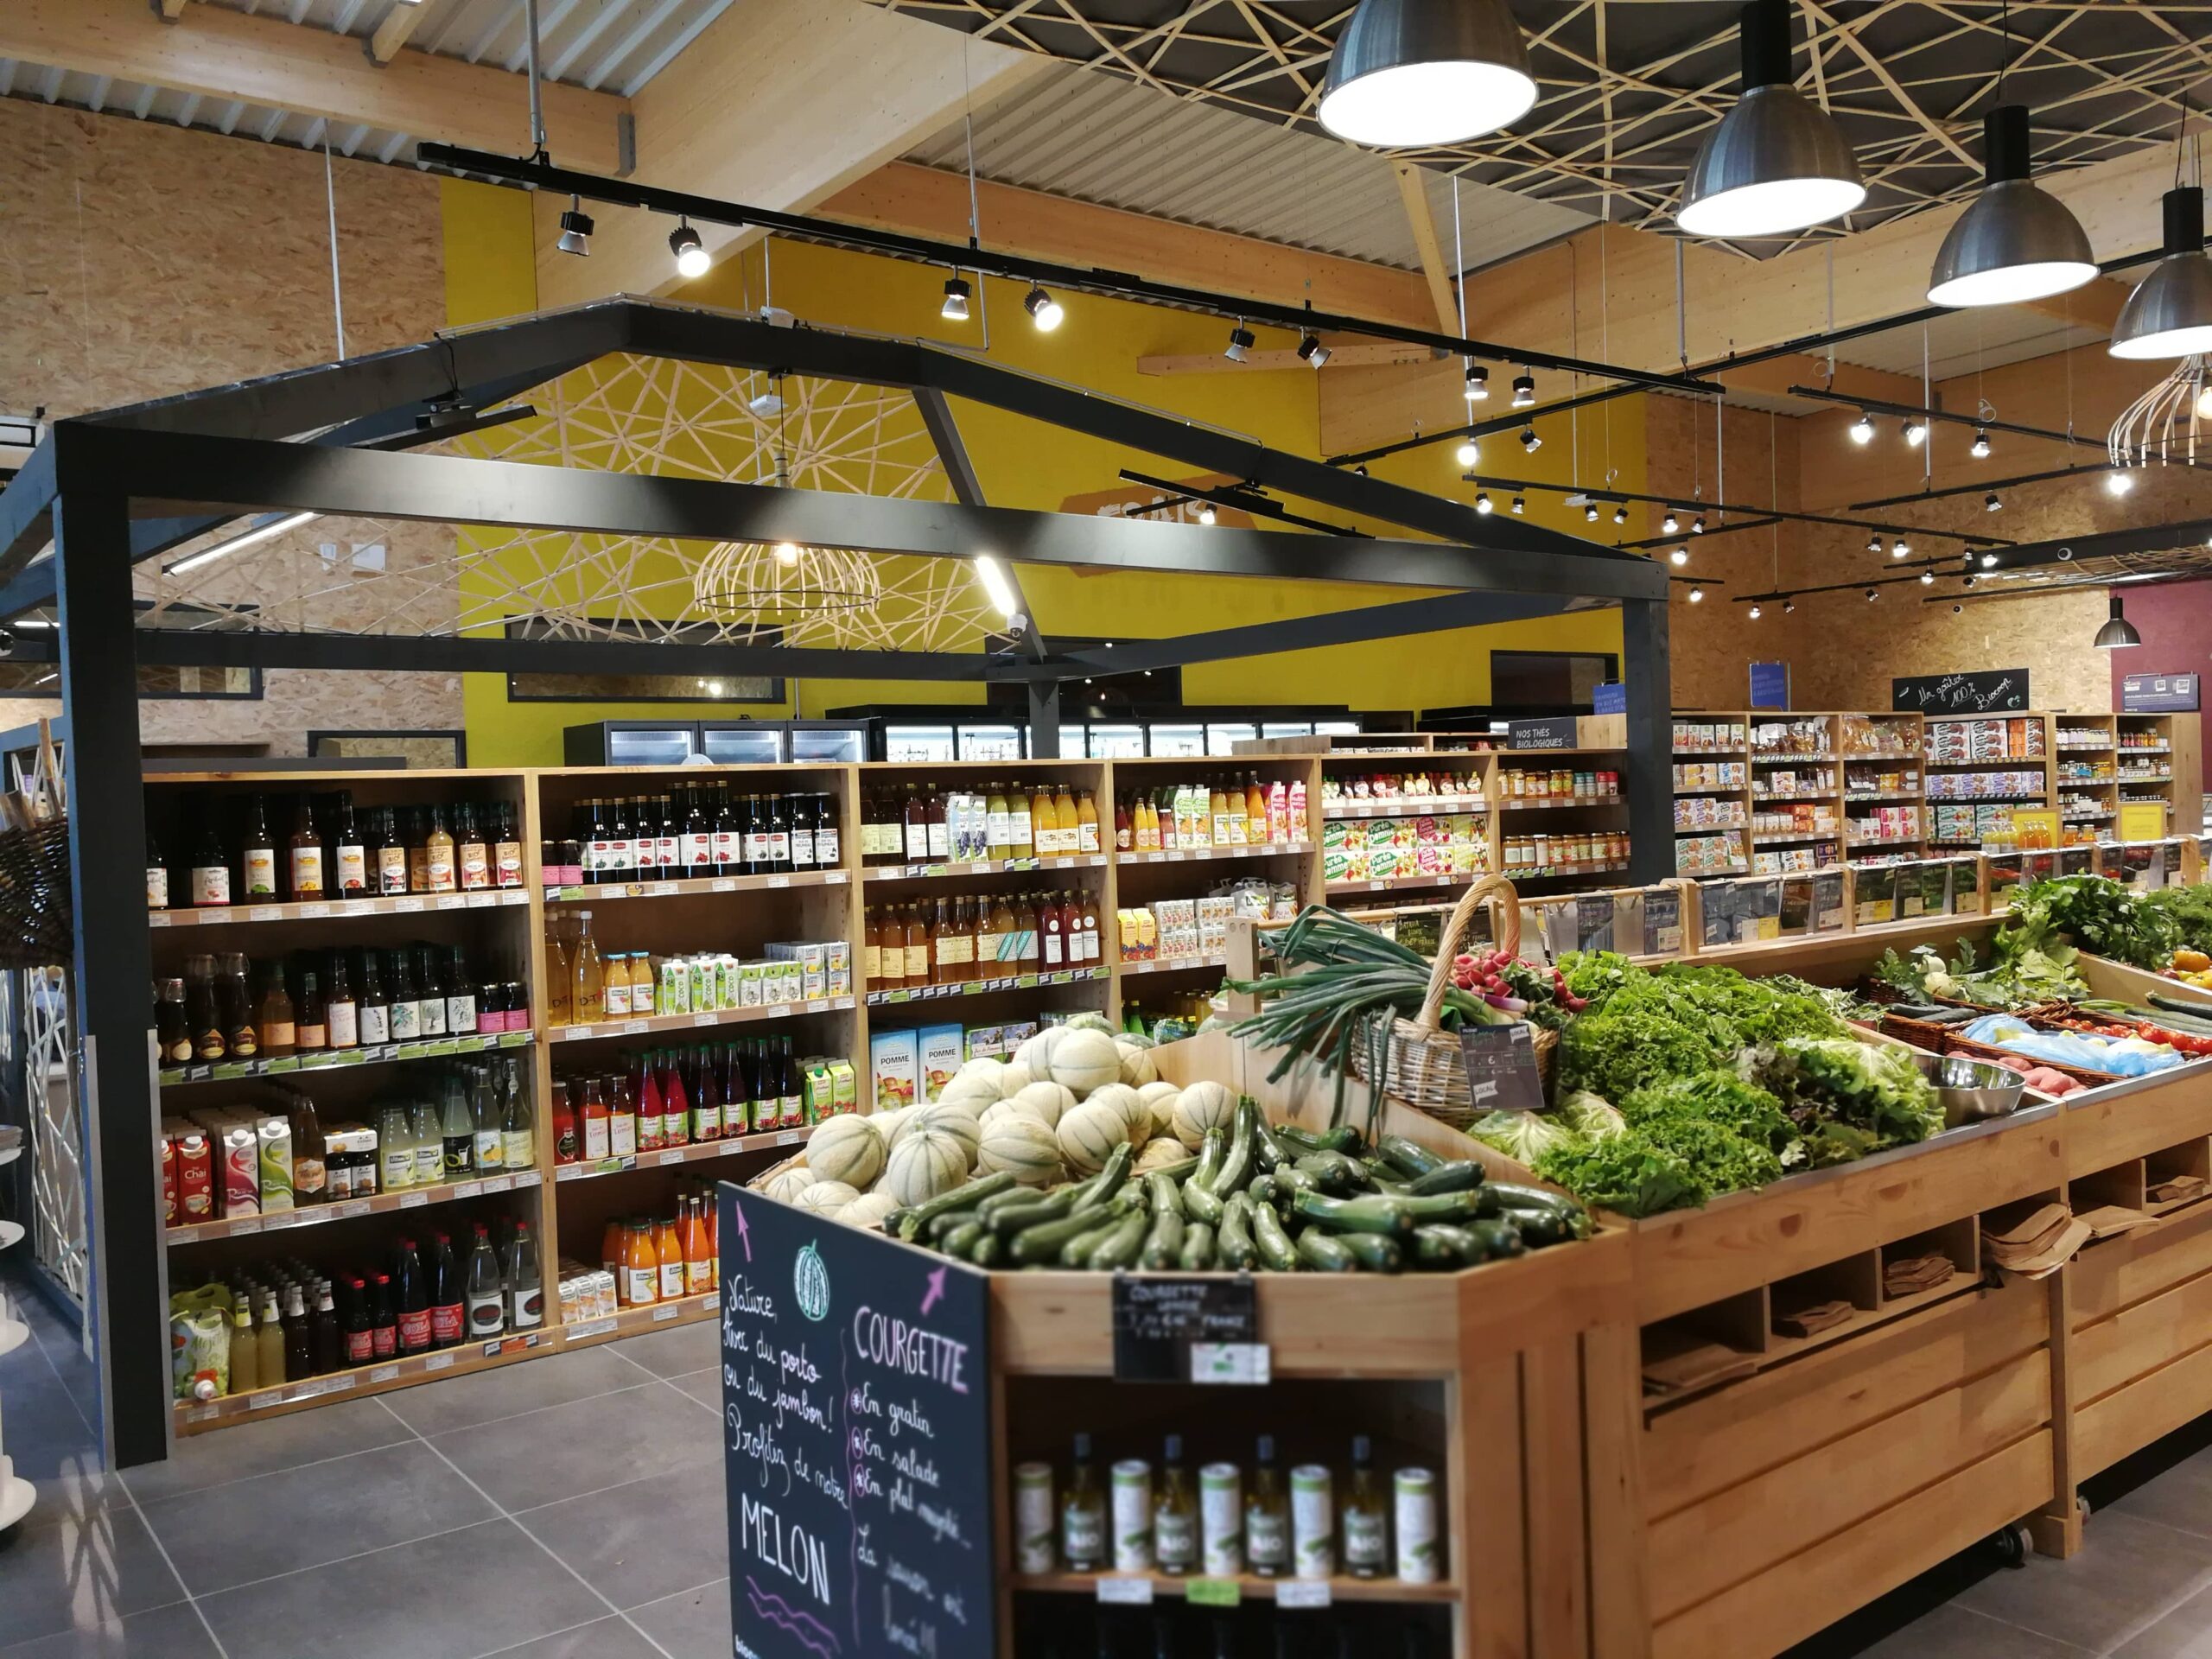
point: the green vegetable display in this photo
(2190, 910)
(2095, 913)
(2018, 974)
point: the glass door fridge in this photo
(1271, 729)
(1109, 741)
(743, 743)
(917, 743)
(822, 741)
(1177, 739)
(630, 743)
(1222, 737)
(990, 739)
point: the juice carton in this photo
(939, 1058)
(274, 1138)
(841, 1082)
(894, 1064)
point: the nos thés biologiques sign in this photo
(856, 1441)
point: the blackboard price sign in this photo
(1502, 1075)
(857, 1442)
(1984, 691)
(1158, 1321)
(1558, 733)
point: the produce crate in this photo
(1944, 1039)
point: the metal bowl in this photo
(1970, 1089)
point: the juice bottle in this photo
(1044, 823)
(591, 1110)
(998, 825)
(640, 1266)
(568, 1140)
(1091, 944)
(1256, 811)
(871, 948)
(698, 1248)
(946, 968)
(1147, 825)
(669, 1249)
(586, 975)
(1278, 811)
(443, 867)
(1064, 814)
(1021, 833)
(621, 1117)
(1217, 829)
(1125, 839)
(1052, 927)
(996, 948)
(916, 931)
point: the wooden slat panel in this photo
(1759, 1424)
(1761, 1617)
(1551, 1403)
(1613, 1417)
(2138, 1340)
(2136, 1266)
(2099, 1134)
(2129, 1419)
(1490, 1556)
(1697, 1552)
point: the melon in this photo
(891, 1125)
(1201, 1107)
(827, 1198)
(846, 1148)
(1133, 1039)
(1089, 1020)
(785, 1184)
(925, 1164)
(1020, 1145)
(1036, 1052)
(1138, 1069)
(1124, 1100)
(1088, 1134)
(954, 1118)
(1159, 1099)
(1046, 1102)
(1161, 1152)
(869, 1210)
(1015, 1078)
(1084, 1060)
(983, 1066)
(967, 1086)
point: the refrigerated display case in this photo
(747, 743)
(990, 740)
(1177, 739)
(726, 742)
(819, 742)
(915, 744)
(1112, 741)
(1223, 735)
(630, 743)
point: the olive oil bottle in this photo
(1367, 1515)
(1175, 1513)
(1266, 1516)
(1083, 1513)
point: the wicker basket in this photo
(1422, 1063)
(36, 925)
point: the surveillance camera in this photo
(2066, 553)
(1956, 608)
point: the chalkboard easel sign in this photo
(1979, 691)
(856, 1441)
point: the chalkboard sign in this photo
(1158, 1321)
(1501, 1061)
(1984, 691)
(856, 1441)
(1558, 733)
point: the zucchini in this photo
(1198, 1205)
(961, 1197)
(1372, 1214)
(962, 1239)
(1343, 1138)
(1268, 1153)
(989, 1250)
(1290, 1180)
(2200, 1011)
(1196, 1254)
(1439, 1244)
(1274, 1246)
(1108, 1180)
(1121, 1245)
(1499, 1239)
(1324, 1252)
(1212, 1150)
(1336, 1172)
(1234, 1241)
(1538, 1228)
(1416, 1159)
(1264, 1189)
(1373, 1252)
(1077, 1251)
(1019, 1217)
(1452, 1178)
(1042, 1241)
(1163, 1245)
(1166, 1197)
(1236, 1166)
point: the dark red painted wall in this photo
(2176, 622)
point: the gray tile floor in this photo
(571, 1508)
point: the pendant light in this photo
(2169, 313)
(1776, 162)
(2015, 242)
(1422, 73)
(2118, 631)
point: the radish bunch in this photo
(1511, 985)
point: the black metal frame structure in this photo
(115, 489)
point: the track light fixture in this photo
(1697, 594)
(1697, 526)
(1989, 560)
(1873, 543)
(1467, 454)
(1993, 502)
(1482, 503)
(1776, 162)
(1680, 555)
(1915, 430)
(1044, 310)
(2118, 631)
(576, 227)
(1980, 448)
(1754, 612)
(2014, 242)
(1424, 73)
(1529, 441)
(1787, 604)
(1477, 387)
(1862, 430)
(1524, 390)
(1957, 608)
(1313, 352)
(787, 554)
(1620, 513)
(2169, 313)
(1900, 547)
(1590, 511)
(955, 309)
(1518, 507)
(1206, 514)
(1874, 593)
(1669, 524)
(2118, 482)
(1928, 578)
(690, 253)
(1966, 582)
(1240, 344)
(274, 524)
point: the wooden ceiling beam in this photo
(1413, 190)
(230, 55)
(392, 34)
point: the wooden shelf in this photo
(982, 866)
(1384, 883)
(1548, 871)
(698, 1152)
(330, 1059)
(653, 1024)
(1182, 855)
(1408, 807)
(979, 986)
(1249, 1586)
(631, 1321)
(690, 887)
(1172, 965)
(382, 1204)
(337, 909)
(193, 1417)
(1532, 803)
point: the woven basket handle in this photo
(1507, 913)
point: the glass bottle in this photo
(310, 1154)
(586, 977)
(172, 1023)
(349, 850)
(1082, 1513)
(1256, 811)
(506, 848)
(517, 1124)
(1029, 928)
(245, 1374)
(568, 1141)
(448, 1301)
(440, 867)
(1266, 1516)
(726, 837)
(915, 820)
(1093, 941)
(487, 1141)
(299, 1337)
(1064, 814)
(430, 990)
(312, 1029)
(269, 1342)
(416, 832)
(411, 1298)
(391, 853)
(667, 1247)
(426, 1133)
(695, 847)
(640, 1267)
(525, 1288)
(258, 853)
(1050, 924)
(1366, 1524)
(828, 837)
(591, 1114)
(460, 994)
(946, 967)
(1175, 1513)
(698, 1252)
(484, 1296)
(234, 1011)
(157, 870)
(383, 1318)
(456, 1132)
(800, 809)
(621, 1117)
(406, 1002)
(1044, 824)
(775, 810)
(472, 851)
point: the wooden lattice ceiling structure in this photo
(1630, 86)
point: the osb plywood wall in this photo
(138, 261)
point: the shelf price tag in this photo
(1212, 1592)
(1120, 1590)
(1245, 1363)
(1302, 1593)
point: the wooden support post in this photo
(2057, 1529)
(1613, 1417)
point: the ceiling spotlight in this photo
(1989, 561)
(1697, 526)
(1620, 513)
(1529, 441)
(1206, 514)
(1311, 352)
(1862, 430)
(1928, 578)
(2169, 313)
(1680, 555)
(1697, 594)
(1477, 389)
(1754, 611)
(1980, 448)
(1874, 593)
(1900, 547)
(1482, 502)
(1993, 502)
(1240, 344)
(1044, 310)
(1424, 73)
(955, 309)
(1669, 524)
(2118, 482)
(1787, 606)
(1466, 454)
(1915, 430)
(575, 228)
(1590, 511)
(2118, 631)
(2014, 242)
(1519, 506)
(1524, 391)
(1776, 162)
(787, 554)
(690, 253)
(1873, 543)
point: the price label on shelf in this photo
(1119, 1590)
(706, 1018)
(631, 1027)
(661, 889)
(405, 907)
(665, 1311)
(264, 912)
(790, 1137)
(596, 1328)
(722, 884)
(413, 1201)
(243, 1226)
(482, 900)
(833, 878)
(358, 908)
(263, 1400)
(451, 901)
(352, 1207)
(776, 1011)
(1234, 1362)
(438, 1363)
(673, 1155)
(780, 881)
(467, 1188)
(1302, 1593)
(568, 1172)
(309, 912)
(1212, 1592)
(383, 1373)
(497, 1184)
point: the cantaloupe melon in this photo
(968, 1087)
(1201, 1107)
(846, 1148)
(1084, 1060)
(891, 1125)
(1023, 1145)
(1015, 1079)
(1088, 1136)
(990, 1067)
(1161, 1152)
(785, 1184)
(1137, 1067)
(1046, 1102)
(869, 1210)
(1124, 1100)
(1036, 1052)
(954, 1118)
(1089, 1020)
(827, 1198)
(1160, 1098)
(926, 1163)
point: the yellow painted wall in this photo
(1023, 464)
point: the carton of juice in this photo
(753, 984)
(940, 1059)
(894, 1063)
(239, 1145)
(169, 1179)
(841, 1083)
(196, 1174)
(821, 1092)
(837, 965)
(273, 1136)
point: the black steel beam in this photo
(27, 509)
(1879, 406)
(1989, 484)
(1233, 495)
(1044, 720)
(1522, 486)
(1646, 679)
(1733, 527)
(241, 473)
(938, 421)
(957, 256)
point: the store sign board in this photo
(2142, 820)
(1609, 698)
(2159, 694)
(856, 1441)
(1662, 922)
(1769, 685)
(1501, 1061)
(1558, 731)
(1159, 1324)
(1983, 691)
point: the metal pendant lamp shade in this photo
(2015, 242)
(2169, 313)
(1776, 164)
(2118, 631)
(1415, 74)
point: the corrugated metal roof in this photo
(1958, 341)
(1099, 138)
